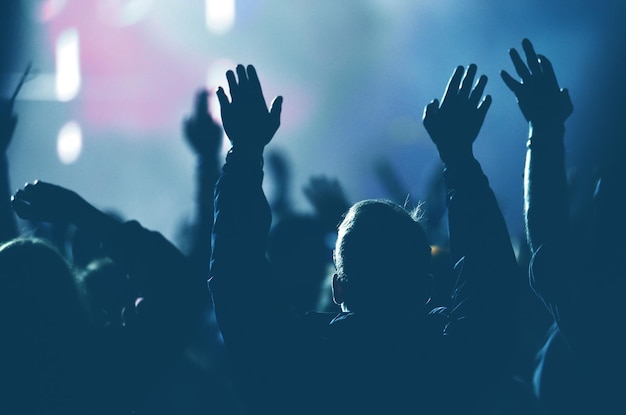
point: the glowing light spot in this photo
(67, 65)
(220, 15)
(69, 143)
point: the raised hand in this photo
(542, 102)
(454, 124)
(245, 117)
(41, 201)
(328, 199)
(202, 133)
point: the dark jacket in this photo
(389, 362)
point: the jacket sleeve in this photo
(481, 325)
(241, 282)
(265, 340)
(487, 270)
(556, 275)
(173, 297)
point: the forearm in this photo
(242, 214)
(92, 220)
(488, 275)
(483, 302)
(477, 227)
(242, 221)
(247, 298)
(546, 211)
(207, 174)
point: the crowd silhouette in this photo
(379, 306)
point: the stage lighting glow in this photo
(220, 15)
(49, 9)
(41, 88)
(67, 65)
(69, 142)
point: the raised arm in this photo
(250, 310)
(479, 239)
(173, 296)
(239, 268)
(477, 228)
(204, 136)
(328, 199)
(46, 202)
(545, 107)
(161, 269)
(482, 305)
(242, 214)
(546, 209)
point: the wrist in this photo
(546, 128)
(458, 175)
(457, 159)
(245, 152)
(545, 135)
(95, 221)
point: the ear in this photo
(337, 290)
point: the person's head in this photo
(38, 289)
(382, 258)
(44, 324)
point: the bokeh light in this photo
(220, 15)
(70, 142)
(355, 76)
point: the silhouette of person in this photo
(575, 269)
(204, 137)
(62, 361)
(388, 350)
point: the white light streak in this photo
(67, 65)
(220, 15)
(69, 143)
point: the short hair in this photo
(45, 327)
(34, 276)
(380, 245)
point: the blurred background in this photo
(112, 80)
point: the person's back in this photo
(46, 332)
(386, 352)
(577, 268)
(80, 366)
